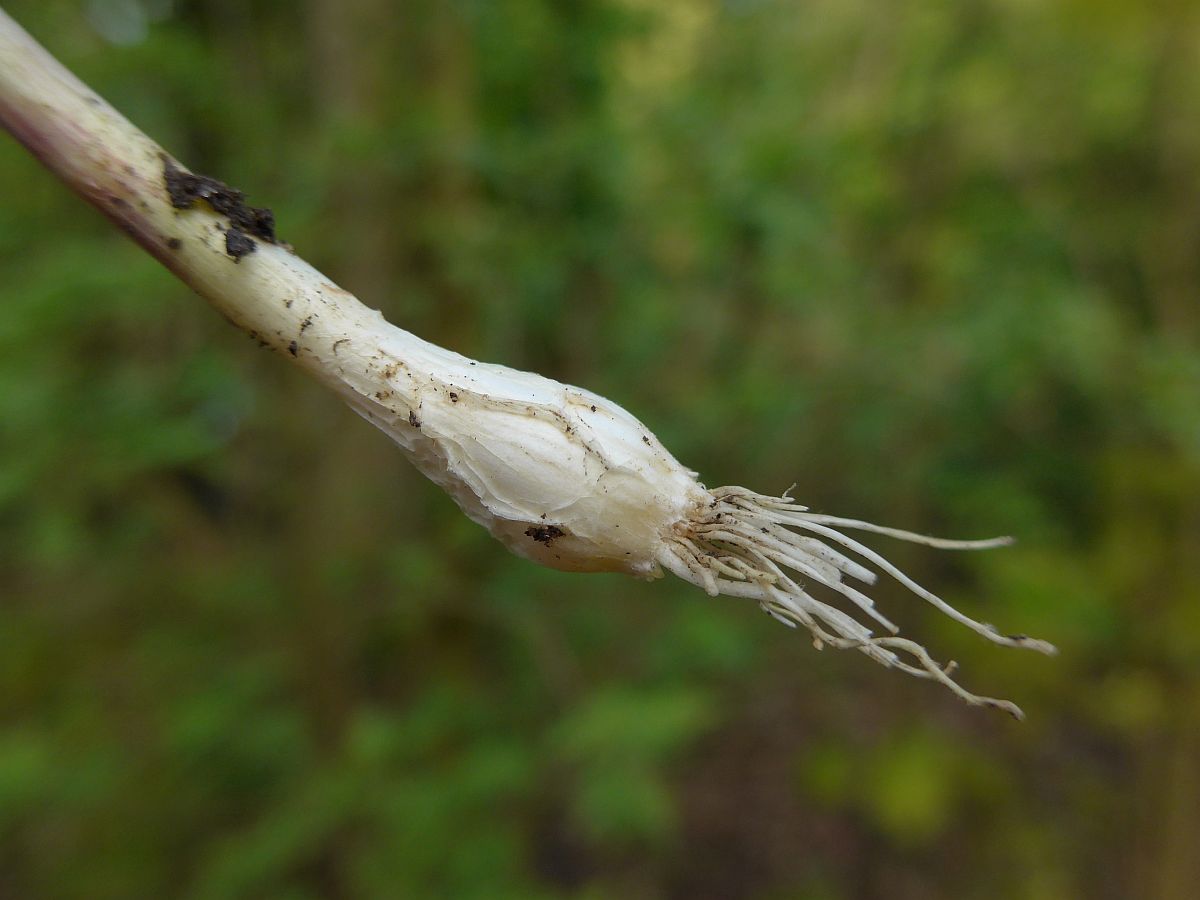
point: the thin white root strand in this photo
(940, 543)
(740, 545)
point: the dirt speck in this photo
(174, 243)
(544, 534)
(306, 324)
(453, 397)
(294, 348)
(237, 244)
(185, 189)
(413, 420)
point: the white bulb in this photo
(571, 480)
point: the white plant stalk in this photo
(559, 475)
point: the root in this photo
(744, 544)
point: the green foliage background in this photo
(937, 261)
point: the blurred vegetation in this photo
(936, 261)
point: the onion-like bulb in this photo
(571, 480)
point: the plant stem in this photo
(268, 291)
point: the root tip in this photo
(1039, 646)
(1006, 706)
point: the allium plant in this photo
(557, 474)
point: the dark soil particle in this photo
(237, 244)
(544, 534)
(185, 189)
(413, 420)
(294, 348)
(174, 243)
